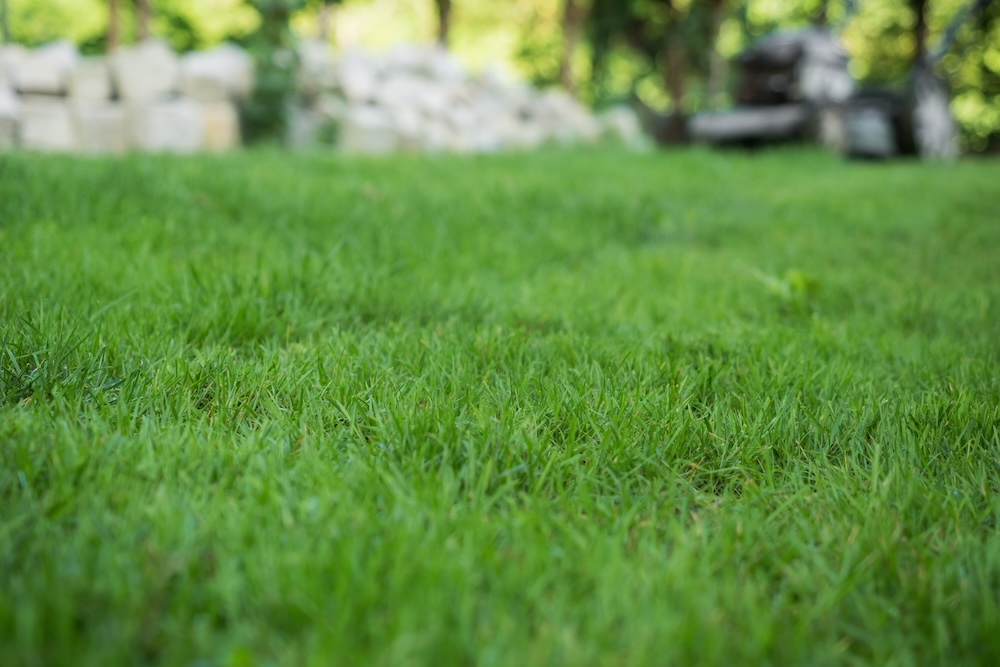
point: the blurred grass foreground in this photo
(582, 408)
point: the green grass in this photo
(562, 409)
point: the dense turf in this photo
(602, 409)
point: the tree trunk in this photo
(143, 14)
(572, 21)
(822, 14)
(920, 30)
(672, 129)
(743, 13)
(113, 31)
(718, 66)
(4, 25)
(673, 56)
(444, 21)
(323, 17)
(675, 68)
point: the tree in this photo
(143, 15)
(4, 24)
(324, 16)
(674, 42)
(718, 66)
(935, 134)
(674, 66)
(444, 21)
(574, 13)
(919, 8)
(273, 49)
(323, 20)
(962, 38)
(114, 34)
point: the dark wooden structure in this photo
(783, 80)
(796, 86)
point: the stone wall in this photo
(143, 97)
(411, 98)
(420, 99)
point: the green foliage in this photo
(879, 37)
(539, 49)
(973, 69)
(180, 31)
(34, 22)
(622, 24)
(314, 4)
(169, 23)
(265, 116)
(644, 29)
(562, 408)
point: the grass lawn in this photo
(559, 409)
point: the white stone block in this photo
(461, 118)
(586, 126)
(204, 88)
(434, 100)
(46, 70)
(219, 74)
(11, 56)
(168, 125)
(359, 86)
(36, 76)
(10, 113)
(405, 59)
(8, 133)
(330, 106)
(491, 80)
(520, 135)
(47, 124)
(314, 54)
(421, 98)
(408, 125)
(620, 123)
(398, 90)
(485, 139)
(146, 71)
(357, 75)
(90, 80)
(437, 137)
(367, 130)
(443, 67)
(317, 72)
(354, 59)
(221, 124)
(557, 102)
(101, 127)
(303, 127)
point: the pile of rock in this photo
(143, 97)
(420, 99)
(412, 98)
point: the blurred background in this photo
(664, 57)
